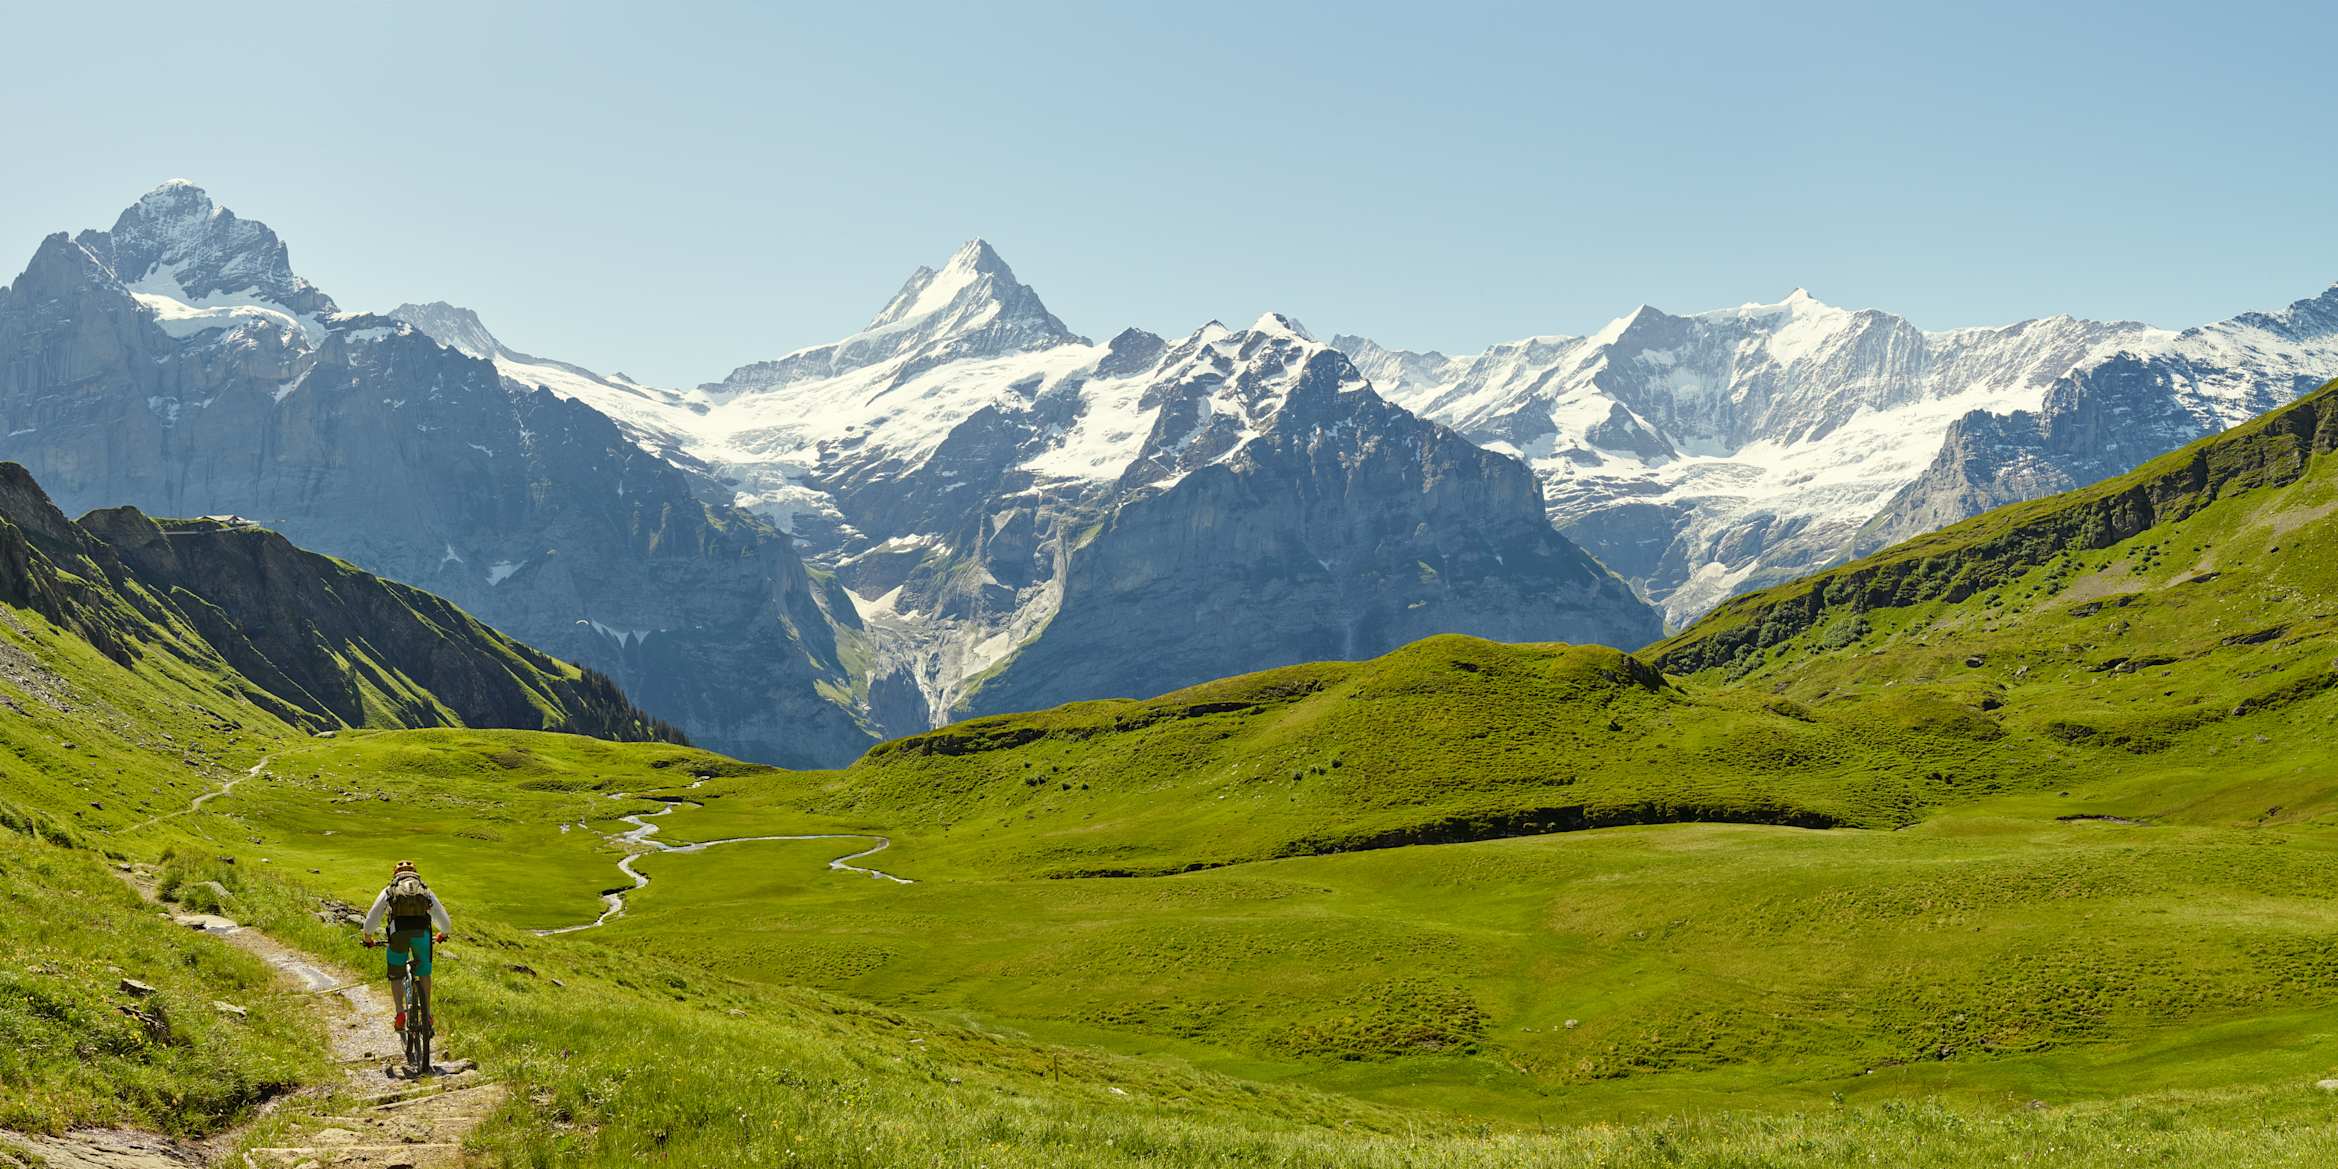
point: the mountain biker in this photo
(413, 912)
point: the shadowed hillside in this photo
(314, 641)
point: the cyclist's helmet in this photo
(402, 868)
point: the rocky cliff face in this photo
(174, 363)
(315, 641)
(1281, 511)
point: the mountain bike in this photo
(419, 1028)
(415, 1006)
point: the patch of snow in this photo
(182, 315)
(501, 571)
(884, 606)
(623, 636)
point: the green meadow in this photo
(2018, 844)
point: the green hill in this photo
(1449, 739)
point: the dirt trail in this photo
(639, 838)
(369, 1119)
(365, 1120)
(197, 803)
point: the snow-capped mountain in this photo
(963, 462)
(1704, 455)
(198, 268)
(999, 512)
(2111, 415)
(989, 511)
(972, 308)
(177, 363)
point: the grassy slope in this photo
(1990, 551)
(621, 1053)
(70, 931)
(1447, 739)
(100, 754)
(88, 748)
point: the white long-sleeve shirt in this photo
(381, 909)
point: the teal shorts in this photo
(411, 945)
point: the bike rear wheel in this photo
(418, 1029)
(423, 1003)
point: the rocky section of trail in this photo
(99, 1148)
(367, 1119)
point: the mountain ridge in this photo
(322, 645)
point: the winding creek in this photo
(639, 843)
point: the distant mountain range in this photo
(966, 508)
(1707, 455)
(1025, 517)
(996, 513)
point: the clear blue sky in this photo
(674, 194)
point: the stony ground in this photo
(372, 1118)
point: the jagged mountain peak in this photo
(175, 198)
(60, 258)
(1795, 305)
(186, 254)
(451, 325)
(969, 287)
(978, 255)
(972, 306)
(1279, 324)
(2312, 317)
(1632, 327)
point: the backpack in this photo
(409, 897)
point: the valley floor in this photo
(2002, 983)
